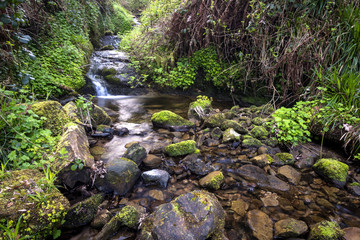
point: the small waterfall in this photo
(97, 80)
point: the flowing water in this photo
(311, 200)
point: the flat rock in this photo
(260, 225)
(352, 233)
(239, 207)
(290, 227)
(152, 161)
(292, 175)
(156, 176)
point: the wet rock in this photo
(270, 199)
(156, 176)
(97, 151)
(216, 133)
(292, 175)
(104, 128)
(152, 161)
(284, 159)
(99, 116)
(260, 225)
(157, 194)
(262, 150)
(354, 188)
(108, 136)
(333, 170)
(274, 184)
(181, 148)
(251, 142)
(121, 131)
(322, 202)
(252, 173)
(234, 125)
(101, 218)
(259, 132)
(239, 207)
(305, 154)
(326, 230)
(56, 117)
(106, 47)
(199, 109)
(74, 141)
(121, 175)
(83, 212)
(128, 216)
(262, 160)
(136, 153)
(197, 165)
(211, 142)
(258, 121)
(212, 181)
(71, 111)
(215, 120)
(230, 135)
(289, 228)
(352, 233)
(16, 187)
(194, 215)
(171, 121)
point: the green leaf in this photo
(73, 167)
(56, 233)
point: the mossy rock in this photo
(259, 132)
(333, 170)
(326, 230)
(108, 71)
(112, 79)
(284, 158)
(181, 148)
(136, 153)
(194, 215)
(107, 47)
(72, 111)
(172, 121)
(236, 109)
(216, 133)
(262, 160)
(212, 181)
(99, 116)
(108, 33)
(215, 120)
(40, 217)
(97, 150)
(55, 115)
(258, 121)
(236, 126)
(290, 227)
(121, 176)
(83, 213)
(251, 143)
(102, 127)
(230, 135)
(202, 105)
(229, 115)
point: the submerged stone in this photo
(333, 170)
(326, 230)
(172, 121)
(260, 224)
(181, 148)
(195, 215)
(290, 227)
(136, 153)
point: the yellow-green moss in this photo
(251, 142)
(285, 158)
(128, 216)
(181, 148)
(259, 132)
(332, 169)
(169, 118)
(326, 230)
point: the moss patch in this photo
(128, 216)
(332, 169)
(259, 132)
(285, 158)
(215, 120)
(181, 148)
(326, 230)
(251, 142)
(168, 118)
(213, 180)
(108, 71)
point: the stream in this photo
(311, 199)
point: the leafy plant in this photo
(78, 164)
(84, 107)
(11, 232)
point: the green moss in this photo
(108, 71)
(99, 116)
(107, 47)
(128, 216)
(181, 148)
(101, 127)
(112, 79)
(215, 120)
(201, 101)
(332, 169)
(251, 142)
(169, 118)
(231, 135)
(215, 182)
(285, 158)
(258, 121)
(259, 132)
(355, 184)
(197, 151)
(326, 230)
(233, 124)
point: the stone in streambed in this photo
(284, 159)
(181, 148)
(212, 181)
(352, 233)
(156, 176)
(194, 215)
(99, 116)
(215, 120)
(230, 135)
(152, 161)
(121, 175)
(251, 142)
(260, 225)
(259, 132)
(333, 170)
(100, 219)
(197, 165)
(171, 121)
(200, 108)
(136, 153)
(326, 230)
(234, 125)
(239, 207)
(292, 175)
(262, 160)
(216, 133)
(290, 227)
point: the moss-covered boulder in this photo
(171, 121)
(284, 158)
(290, 227)
(121, 176)
(258, 121)
(181, 148)
(236, 126)
(136, 153)
(216, 133)
(332, 170)
(99, 116)
(107, 47)
(112, 79)
(128, 216)
(54, 113)
(212, 181)
(215, 120)
(194, 215)
(259, 132)
(27, 193)
(82, 213)
(250, 142)
(262, 160)
(200, 108)
(72, 111)
(326, 230)
(108, 71)
(230, 135)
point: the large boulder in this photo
(75, 143)
(82, 213)
(55, 115)
(195, 215)
(181, 148)
(27, 193)
(120, 177)
(333, 170)
(171, 121)
(136, 153)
